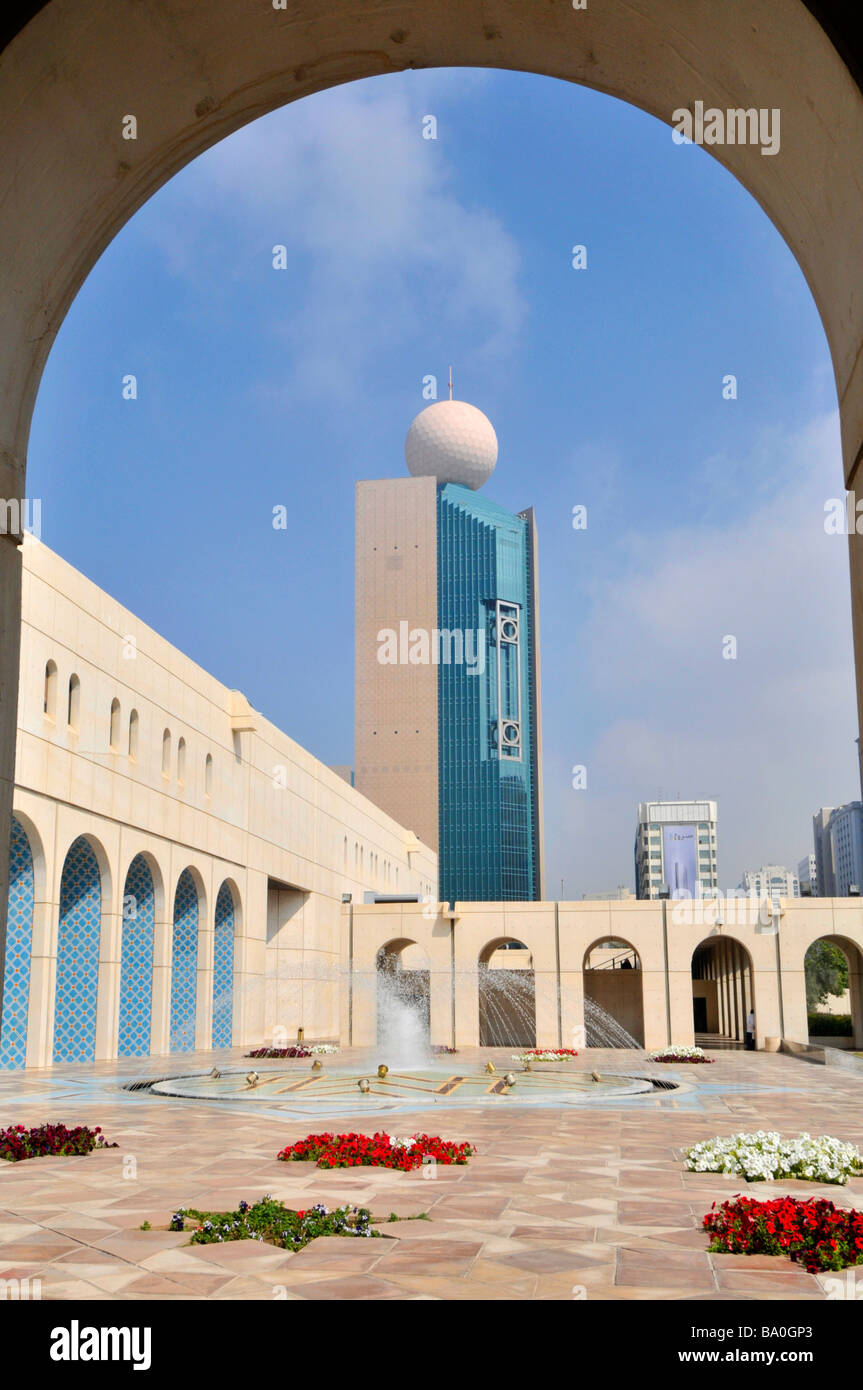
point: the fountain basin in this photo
(411, 1089)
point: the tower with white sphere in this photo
(447, 707)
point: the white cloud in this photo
(769, 735)
(378, 239)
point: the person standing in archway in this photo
(750, 1031)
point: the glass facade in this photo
(487, 747)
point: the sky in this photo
(260, 387)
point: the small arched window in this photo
(166, 753)
(115, 725)
(208, 775)
(49, 694)
(133, 734)
(73, 705)
(181, 762)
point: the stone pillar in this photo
(11, 485)
(855, 555)
(441, 983)
(163, 935)
(204, 964)
(467, 1005)
(572, 1008)
(856, 996)
(545, 996)
(43, 956)
(110, 948)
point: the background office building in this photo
(771, 881)
(823, 852)
(447, 698)
(675, 848)
(807, 875)
(838, 849)
(845, 831)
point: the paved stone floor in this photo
(558, 1203)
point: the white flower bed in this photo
(326, 1049)
(676, 1050)
(765, 1155)
(551, 1054)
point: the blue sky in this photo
(259, 387)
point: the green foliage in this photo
(271, 1221)
(830, 1025)
(826, 973)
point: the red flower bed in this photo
(812, 1232)
(16, 1142)
(549, 1052)
(296, 1050)
(375, 1151)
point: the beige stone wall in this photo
(268, 812)
(395, 713)
(560, 937)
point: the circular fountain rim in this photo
(635, 1085)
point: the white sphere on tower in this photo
(453, 442)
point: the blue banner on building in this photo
(679, 844)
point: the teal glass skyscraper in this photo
(488, 770)
(447, 714)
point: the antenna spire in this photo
(450, 383)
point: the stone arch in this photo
(187, 912)
(78, 182)
(613, 993)
(19, 942)
(402, 999)
(724, 979)
(854, 956)
(506, 994)
(226, 926)
(136, 959)
(78, 946)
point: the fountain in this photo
(414, 1078)
(398, 999)
(402, 1017)
(603, 1030)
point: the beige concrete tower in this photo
(396, 705)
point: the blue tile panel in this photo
(223, 968)
(78, 956)
(136, 961)
(184, 964)
(487, 802)
(19, 939)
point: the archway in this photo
(723, 991)
(507, 994)
(195, 77)
(78, 944)
(184, 963)
(833, 981)
(613, 994)
(402, 1000)
(136, 960)
(19, 941)
(223, 966)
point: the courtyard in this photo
(586, 1202)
